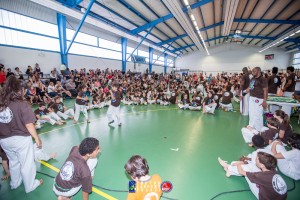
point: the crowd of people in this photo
(95, 89)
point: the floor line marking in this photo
(123, 114)
(95, 190)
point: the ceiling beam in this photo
(172, 39)
(182, 48)
(97, 23)
(268, 21)
(294, 40)
(167, 17)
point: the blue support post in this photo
(124, 53)
(165, 63)
(150, 59)
(61, 25)
(163, 52)
(80, 24)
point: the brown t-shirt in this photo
(288, 131)
(291, 77)
(226, 97)
(271, 185)
(116, 102)
(269, 135)
(80, 101)
(246, 79)
(73, 173)
(273, 83)
(256, 87)
(14, 118)
(173, 97)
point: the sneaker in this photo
(120, 124)
(111, 122)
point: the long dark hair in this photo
(283, 115)
(12, 91)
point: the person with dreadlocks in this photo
(16, 129)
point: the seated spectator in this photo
(29, 71)
(71, 86)
(53, 77)
(42, 116)
(37, 69)
(62, 91)
(67, 73)
(41, 92)
(52, 90)
(2, 75)
(18, 73)
(9, 73)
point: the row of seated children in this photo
(209, 101)
(259, 167)
(53, 113)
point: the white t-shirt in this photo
(51, 89)
(290, 166)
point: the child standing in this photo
(147, 187)
(114, 108)
(80, 104)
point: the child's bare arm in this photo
(240, 170)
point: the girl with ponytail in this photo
(285, 129)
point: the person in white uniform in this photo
(288, 161)
(258, 89)
(249, 164)
(17, 129)
(114, 108)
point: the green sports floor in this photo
(152, 131)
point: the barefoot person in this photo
(16, 132)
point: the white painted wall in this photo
(13, 57)
(232, 58)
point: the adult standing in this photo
(274, 84)
(289, 88)
(258, 89)
(16, 128)
(244, 97)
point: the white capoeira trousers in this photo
(113, 111)
(183, 106)
(244, 104)
(228, 106)
(19, 150)
(78, 109)
(255, 113)
(195, 108)
(66, 114)
(247, 134)
(211, 109)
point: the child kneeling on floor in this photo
(78, 170)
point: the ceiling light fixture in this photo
(281, 39)
(192, 17)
